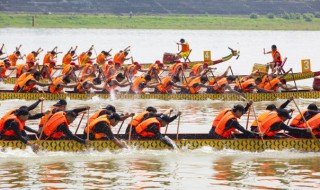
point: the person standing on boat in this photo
(57, 127)
(27, 84)
(13, 128)
(102, 126)
(229, 123)
(221, 114)
(274, 123)
(150, 128)
(276, 56)
(185, 48)
(69, 57)
(270, 108)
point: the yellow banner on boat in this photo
(306, 65)
(206, 56)
(263, 68)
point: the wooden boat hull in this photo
(252, 145)
(4, 95)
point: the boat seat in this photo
(185, 59)
(280, 69)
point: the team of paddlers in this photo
(107, 74)
(54, 123)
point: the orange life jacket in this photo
(273, 83)
(67, 69)
(263, 81)
(4, 70)
(314, 123)
(101, 59)
(221, 126)
(138, 119)
(266, 124)
(120, 58)
(87, 69)
(141, 128)
(54, 89)
(81, 85)
(174, 68)
(20, 69)
(80, 59)
(43, 118)
(219, 116)
(188, 81)
(85, 59)
(185, 47)
(107, 72)
(135, 86)
(115, 58)
(196, 69)
(53, 123)
(296, 121)
(194, 90)
(31, 58)
(260, 118)
(152, 68)
(23, 84)
(66, 60)
(245, 85)
(221, 85)
(13, 58)
(164, 87)
(50, 69)
(277, 60)
(9, 132)
(95, 115)
(92, 124)
(48, 58)
(129, 68)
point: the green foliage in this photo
(254, 15)
(317, 15)
(308, 17)
(286, 16)
(270, 15)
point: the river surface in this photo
(204, 168)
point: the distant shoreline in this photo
(178, 22)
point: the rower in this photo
(22, 68)
(309, 113)
(4, 66)
(229, 123)
(69, 57)
(195, 85)
(185, 49)
(155, 68)
(116, 56)
(121, 58)
(249, 85)
(222, 85)
(148, 113)
(1, 53)
(141, 83)
(32, 57)
(50, 55)
(150, 128)
(47, 69)
(13, 128)
(274, 122)
(177, 68)
(86, 85)
(69, 70)
(199, 69)
(27, 84)
(59, 84)
(108, 110)
(84, 57)
(278, 82)
(57, 127)
(13, 58)
(133, 69)
(314, 124)
(114, 82)
(102, 58)
(276, 56)
(270, 108)
(102, 126)
(87, 71)
(167, 84)
(221, 114)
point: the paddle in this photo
(130, 131)
(178, 128)
(258, 123)
(248, 118)
(168, 123)
(240, 85)
(120, 127)
(79, 123)
(88, 130)
(290, 115)
(41, 132)
(304, 119)
(294, 80)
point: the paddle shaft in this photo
(88, 125)
(248, 118)
(240, 85)
(167, 125)
(178, 128)
(79, 123)
(120, 127)
(258, 123)
(44, 125)
(294, 80)
(130, 131)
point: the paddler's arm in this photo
(15, 127)
(80, 109)
(154, 129)
(262, 89)
(224, 74)
(286, 88)
(235, 124)
(126, 116)
(68, 85)
(178, 86)
(233, 91)
(152, 85)
(285, 127)
(30, 130)
(69, 134)
(36, 116)
(248, 105)
(284, 105)
(34, 105)
(286, 73)
(119, 84)
(104, 128)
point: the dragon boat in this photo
(304, 94)
(185, 141)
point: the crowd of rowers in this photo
(54, 123)
(104, 73)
